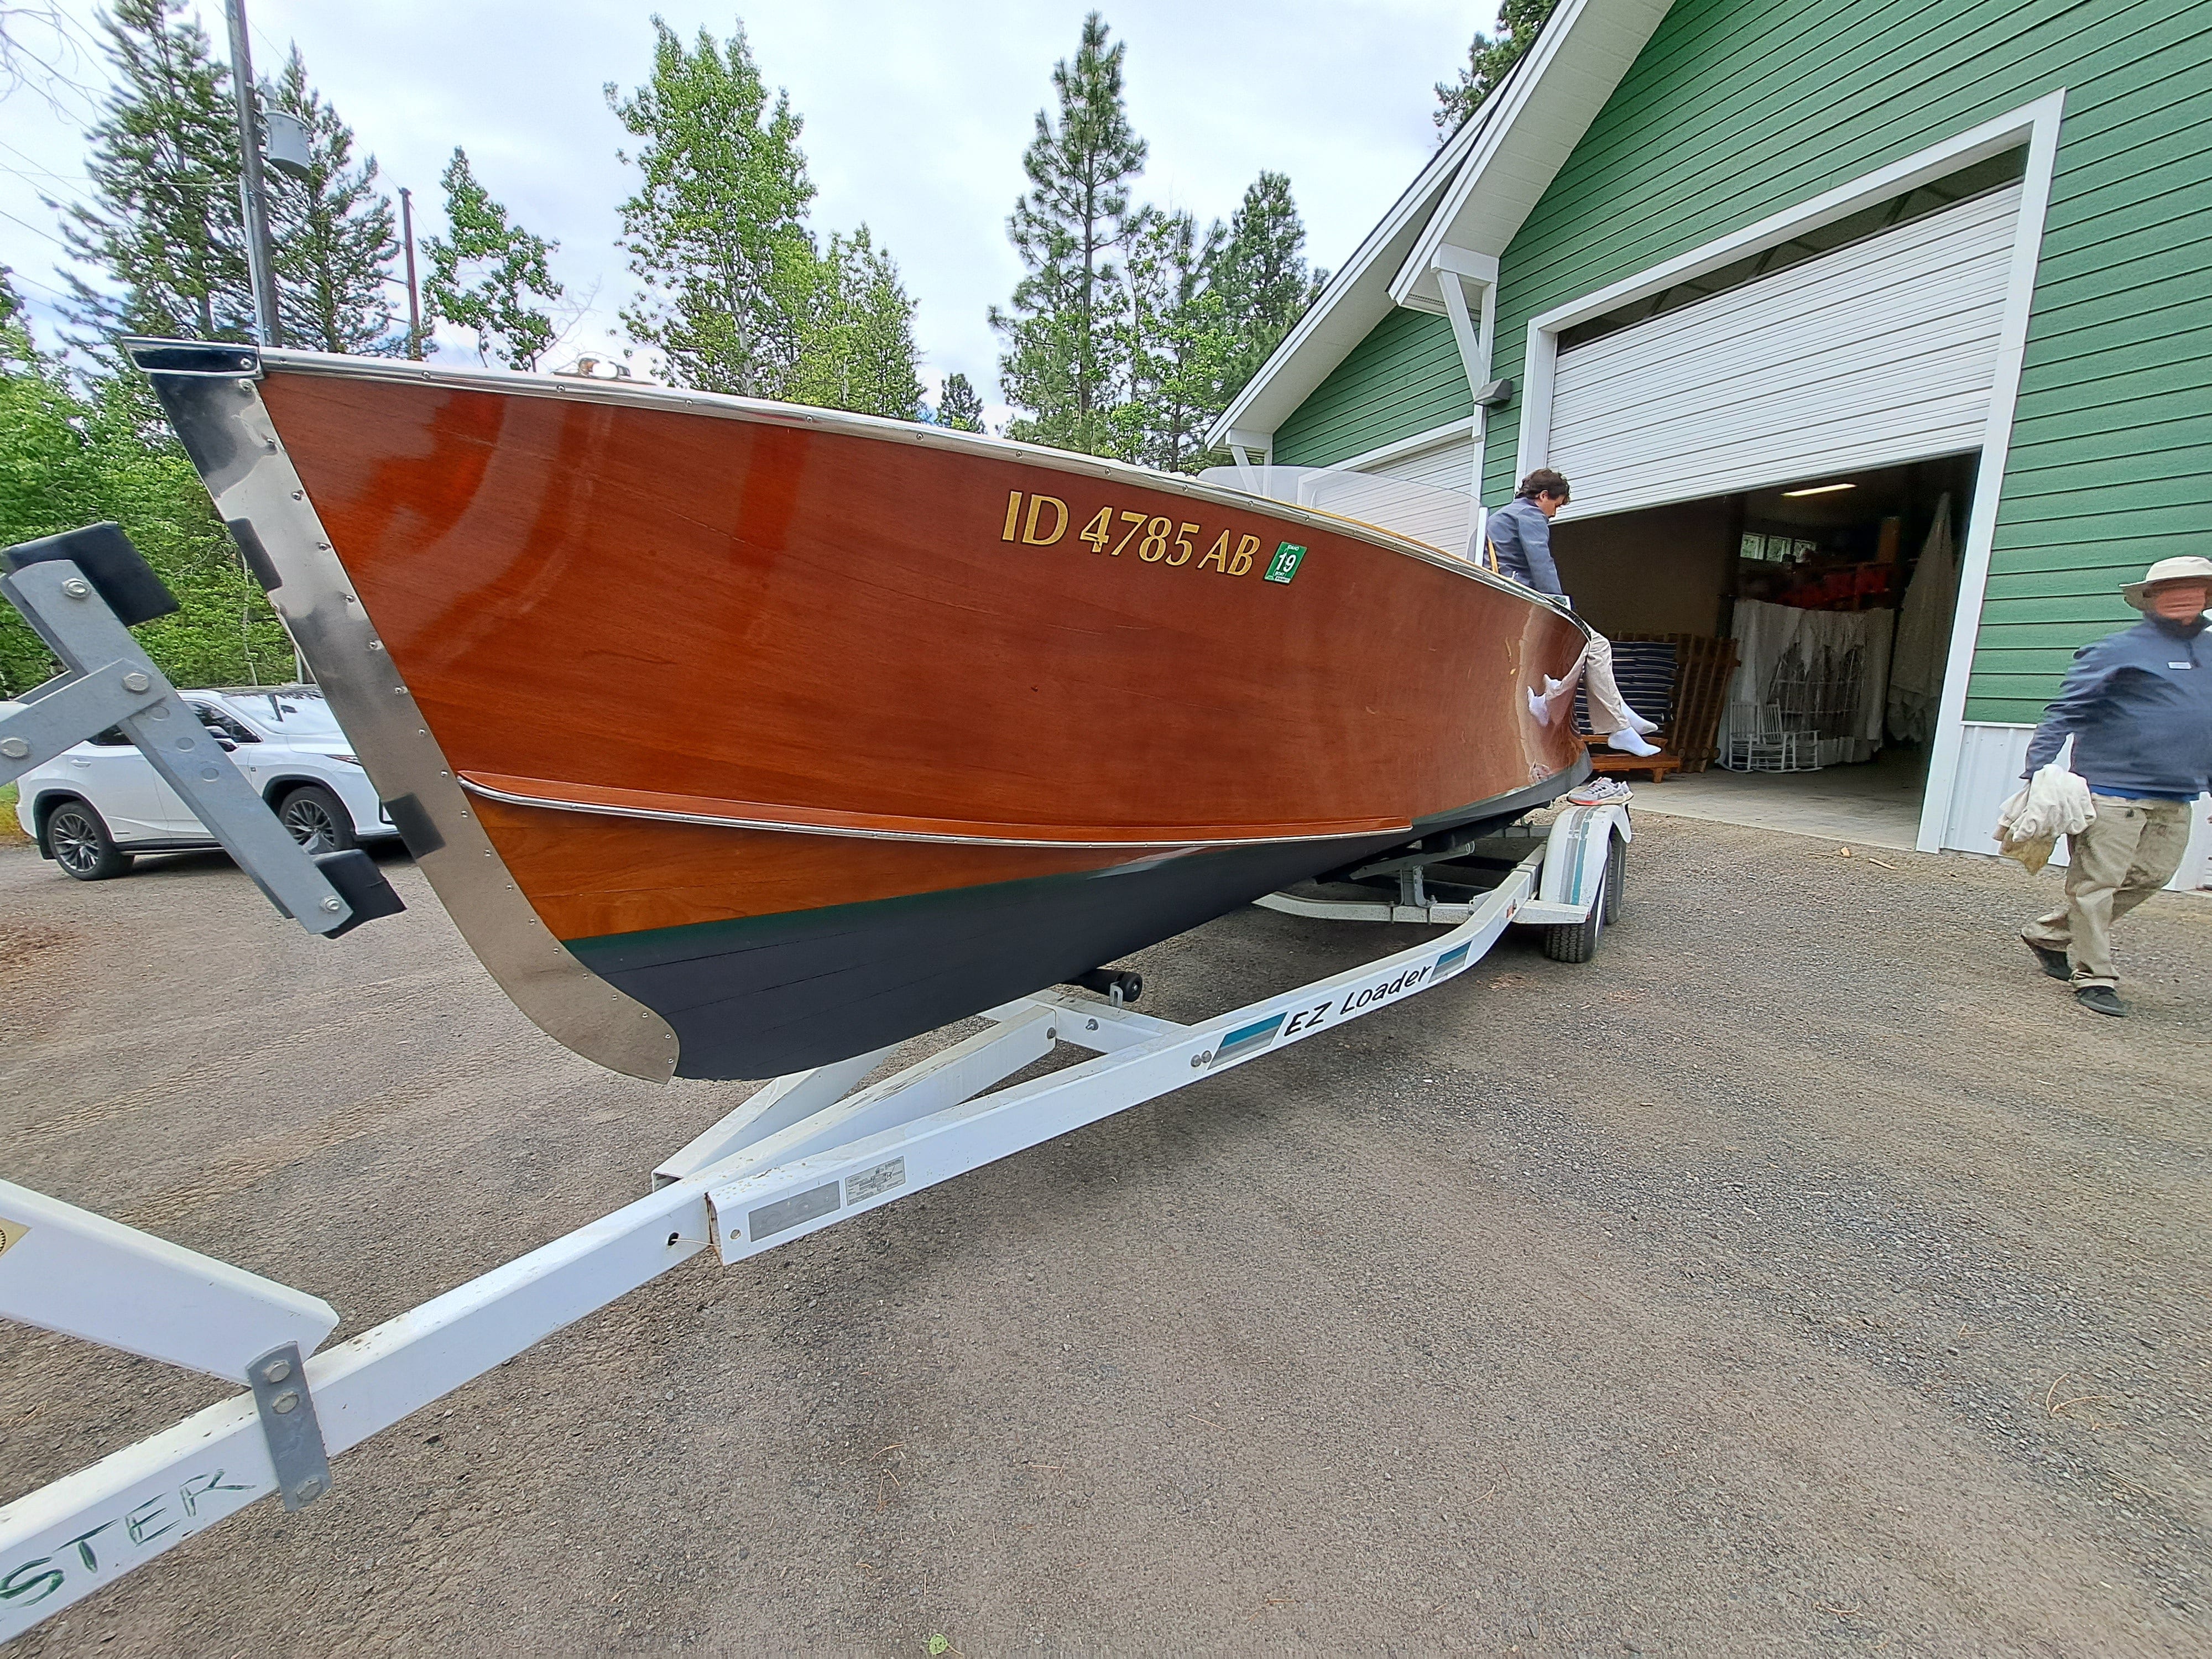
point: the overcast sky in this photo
(916, 113)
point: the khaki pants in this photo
(1608, 713)
(2131, 849)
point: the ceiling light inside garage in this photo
(1819, 489)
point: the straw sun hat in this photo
(2190, 568)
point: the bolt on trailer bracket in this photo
(108, 680)
(289, 1424)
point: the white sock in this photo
(1540, 708)
(1631, 743)
(1638, 724)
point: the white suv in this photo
(93, 809)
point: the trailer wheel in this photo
(1577, 941)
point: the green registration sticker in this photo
(1285, 565)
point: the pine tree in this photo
(74, 452)
(856, 346)
(959, 406)
(1263, 277)
(333, 231)
(1179, 336)
(716, 232)
(484, 270)
(1488, 59)
(164, 225)
(1065, 331)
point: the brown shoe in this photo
(2054, 963)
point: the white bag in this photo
(2055, 803)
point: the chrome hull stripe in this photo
(514, 798)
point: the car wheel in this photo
(78, 837)
(317, 818)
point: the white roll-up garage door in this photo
(1880, 352)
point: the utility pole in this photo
(252, 190)
(414, 302)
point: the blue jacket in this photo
(1521, 536)
(2139, 704)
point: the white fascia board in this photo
(1420, 441)
(1543, 110)
(1356, 298)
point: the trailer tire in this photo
(1577, 941)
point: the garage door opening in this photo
(1837, 593)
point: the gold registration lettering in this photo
(1157, 539)
(1058, 520)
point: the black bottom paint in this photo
(764, 995)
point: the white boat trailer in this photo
(804, 1153)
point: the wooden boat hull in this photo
(741, 738)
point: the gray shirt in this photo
(1522, 537)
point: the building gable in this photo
(1403, 379)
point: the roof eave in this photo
(1515, 144)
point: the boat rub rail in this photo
(884, 826)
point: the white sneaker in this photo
(1629, 742)
(1601, 792)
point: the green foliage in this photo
(959, 405)
(71, 457)
(164, 226)
(1177, 339)
(856, 341)
(164, 223)
(1067, 333)
(484, 270)
(333, 231)
(716, 232)
(1263, 277)
(1134, 327)
(1488, 59)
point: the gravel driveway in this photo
(1805, 1275)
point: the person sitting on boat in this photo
(1518, 543)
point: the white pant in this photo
(1608, 714)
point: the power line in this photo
(35, 231)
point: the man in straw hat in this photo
(2138, 706)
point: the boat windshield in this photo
(293, 711)
(1422, 511)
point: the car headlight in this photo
(350, 760)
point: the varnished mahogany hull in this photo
(807, 733)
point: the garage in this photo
(1780, 454)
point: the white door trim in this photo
(2036, 125)
(2043, 119)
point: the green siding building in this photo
(1727, 248)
